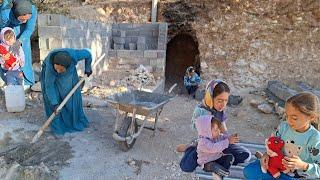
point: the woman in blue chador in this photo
(59, 75)
(21, 15)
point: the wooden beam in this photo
(154, 11)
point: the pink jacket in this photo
(20, 56)
(209, 149)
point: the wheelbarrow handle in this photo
(57, 111)
(172, 87)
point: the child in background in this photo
(302, 140)
(211, 144)
(191, 81)
(11, 58)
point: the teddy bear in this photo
(11, 60)
(291, 149)
(275, 166)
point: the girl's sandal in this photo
(181, 148)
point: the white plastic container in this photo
(15, 99)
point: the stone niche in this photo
(132, 45)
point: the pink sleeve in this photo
(205, 145)
(22, 57)
(1, 60)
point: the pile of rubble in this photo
(140, 77)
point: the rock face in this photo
(245, 43)
(280, 90)
(269, 40)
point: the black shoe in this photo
(216, 168)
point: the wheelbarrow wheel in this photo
(126, 130)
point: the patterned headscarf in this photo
(208, 97)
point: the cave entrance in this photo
(182, 52)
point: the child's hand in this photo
(264, 161)
(6, 57)
(294, 162)
(233, 139)
(21, 63)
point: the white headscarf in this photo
(2, 34)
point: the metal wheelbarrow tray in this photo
(138, 103)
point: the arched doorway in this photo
(182, 52)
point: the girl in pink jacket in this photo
(211, 143)
(13, 73)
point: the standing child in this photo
(302, 140)
(11, 57)
(191, 81)
(22, 17)
(211, 144)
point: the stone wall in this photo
(134, 45)
(123, 47)
(58, 31)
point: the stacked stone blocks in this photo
(58, 31)
(126, 45)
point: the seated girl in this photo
(302, 141)
(211, 144)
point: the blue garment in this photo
(306, 145)
(223, 163)
(188, 162)
(55, 88)
(253, 172)
(6, 4)
(23, 32)
(194, 80)
(240, 153)
(192, 90)
(13, 77)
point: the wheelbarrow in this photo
(137, 102)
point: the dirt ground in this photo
(93, 154)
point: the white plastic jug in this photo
(15, 99)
